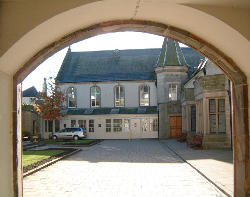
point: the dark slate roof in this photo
(201, 66)
(109, 65)
(171, 54)
(108, 110)
(30, 92)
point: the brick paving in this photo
(217, 165)
(117, 168)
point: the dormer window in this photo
(95, 96)
(144, 95)
(119, 96)
(71, 97)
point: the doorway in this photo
(175, 126)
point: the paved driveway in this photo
(120, 168)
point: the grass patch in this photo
(31, 157)
(70, 142)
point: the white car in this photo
(74, 133)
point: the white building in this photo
(120, 94)
(29, 96)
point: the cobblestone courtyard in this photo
(120, 168)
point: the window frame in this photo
(155, 125)
(95, 86)
(170, 85)
(193, 118)
(46, 126)
(115, 125)
(91, 128)
(82, 123)
(140, 98)
(50, 126)
(108, 125)
(73, 123)
(119, 86)
(217, 113)
(149, 125)
(73, 89)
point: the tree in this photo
(51, 102)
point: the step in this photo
(216, 145)
(215, 138)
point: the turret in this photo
(171, 70)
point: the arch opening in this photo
(240, 93)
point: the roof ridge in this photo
(112, 50)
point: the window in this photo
(193, 118)
(71, 97)
(108, 125)
(172, 92)
(117, 125)
(82, 123)
(221, 116)
(217, 117)
(95, 96)
(50, 125)
(46, 125)
(148, 125)
(144, 95)
(126, 125)
(57, 125)
(73, 123)
(155, 124)
(119, 96)
(145, 125)
(91, 125)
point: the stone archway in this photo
(240, 88)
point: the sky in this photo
(109, 41)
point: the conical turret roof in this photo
(171, 54)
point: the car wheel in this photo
(75, 137)
(54, 137)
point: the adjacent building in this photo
(206, 106)
(30, 119)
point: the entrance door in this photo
(175, 126)
(135, 128)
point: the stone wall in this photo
(166, 110)
(188, 94)
(213, 82)
(27, 123)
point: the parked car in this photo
(74, 133)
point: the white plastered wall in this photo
(107, 92)
(100, 132)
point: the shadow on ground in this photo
(117, 151)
